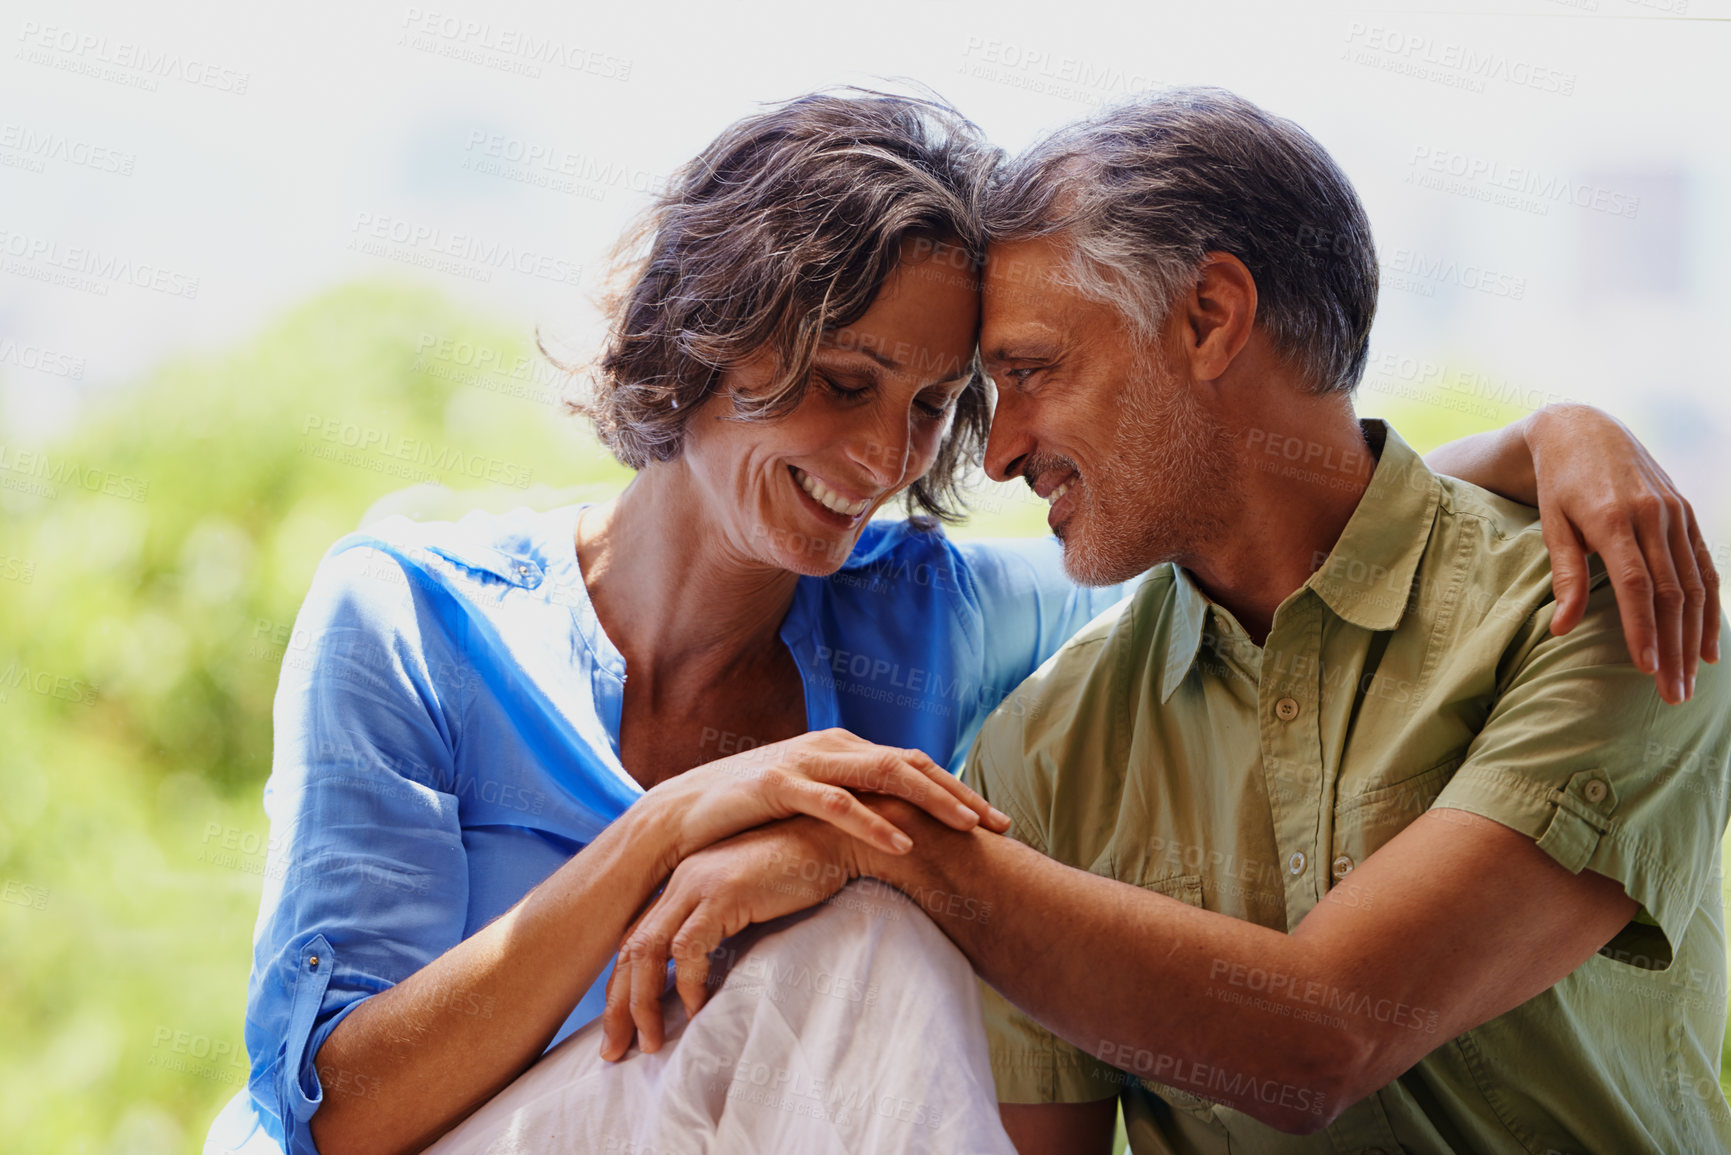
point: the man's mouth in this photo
(1054, 488)
(837, 503)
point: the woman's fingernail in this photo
(1649, 660)
(901, 842)
(1000, 817)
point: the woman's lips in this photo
(826, 502)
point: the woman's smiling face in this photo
(796, 491)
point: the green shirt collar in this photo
(1367, 576)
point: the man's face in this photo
(1106, 427)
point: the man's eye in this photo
(1019, 377)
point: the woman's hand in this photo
(1599, 491)
(815, 774)
(717, 892)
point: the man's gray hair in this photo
(1142, 190)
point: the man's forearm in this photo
(1146, 983)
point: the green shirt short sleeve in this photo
(1582, 754)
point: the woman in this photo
(469, 800)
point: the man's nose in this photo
(1010, 440)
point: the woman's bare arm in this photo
(409, 1063)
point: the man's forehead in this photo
(1024, 277)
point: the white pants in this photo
(853, 1027)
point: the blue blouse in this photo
(449, 736)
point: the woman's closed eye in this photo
(935, 407)
(844, 392)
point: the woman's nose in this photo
(883, 451)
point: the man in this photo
(1324, 841)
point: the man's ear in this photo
(1218, 315)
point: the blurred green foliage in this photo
(151, 564)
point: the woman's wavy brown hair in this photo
(783, 229)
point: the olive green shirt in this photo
(1414, 670)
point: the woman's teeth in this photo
(827, 497)
(1052, 498)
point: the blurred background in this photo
(267, 272)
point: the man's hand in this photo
(753, 877)
(1118, 970)
(1600, 491)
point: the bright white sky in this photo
(382, 118)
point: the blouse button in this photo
(1595, 791)
(1286, 709)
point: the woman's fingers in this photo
(978, 809)
(836, 806)
(1710, 620)
(1694, 585)
(1627, 567)
(903, 773)
(1568, 570)
(1666, 592)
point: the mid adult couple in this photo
(1352, 826)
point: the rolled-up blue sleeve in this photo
(1028, 607)
(366, 879)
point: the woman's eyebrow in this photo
(830, 344)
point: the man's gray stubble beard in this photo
(1172, 470)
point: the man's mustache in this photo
(1035, 466)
